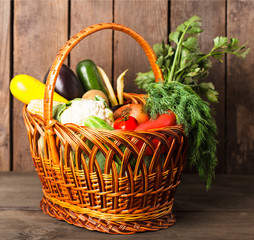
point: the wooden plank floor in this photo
(226, 212)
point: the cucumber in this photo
(89, 76)
(97, 123)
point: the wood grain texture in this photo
(20, 190)
(229, 193)
(150, 20)
(40, 29)
(240, 85)
(224, 213)
(212, 14)
(23, 225)
(4, 86)
(97, 47)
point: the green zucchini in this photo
(97, 123)
(89, 75)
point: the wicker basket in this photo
(135, 196)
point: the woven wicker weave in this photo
(135, 196)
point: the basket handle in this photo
(70, 44)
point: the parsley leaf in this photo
(185, 63)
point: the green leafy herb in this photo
(194, 114)
(144, 79)
(184, 67)
(185, 63)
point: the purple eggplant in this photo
(67, 84)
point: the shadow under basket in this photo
(105, 180)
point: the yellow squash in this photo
(26, 88)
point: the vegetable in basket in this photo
(163, 120)
(90, 113)
(126, 123)
(183, 66)
(26, 88)
(89, 75)
(132, 109)
(77, 110)
(67, 83)
(120, 87)
(36, 106)
(94, 94)
(97, 123)
(109, 88)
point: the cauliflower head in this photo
(80, 109)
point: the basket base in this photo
(106, 226)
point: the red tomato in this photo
(126, 123)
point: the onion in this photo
(134, 110)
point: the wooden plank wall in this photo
(33, 31)
(5, 57)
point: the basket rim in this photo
(72, 42)
(176, 127)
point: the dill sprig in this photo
(195, 115)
